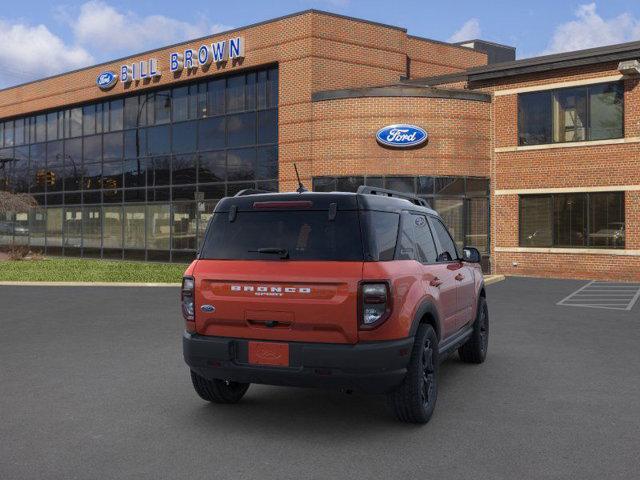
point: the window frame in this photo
(439, 247)
(552, 93)
(588, 196)
(417, 256)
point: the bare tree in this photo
(16, 202)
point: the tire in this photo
(475, 349)
(415, 399)
(218, 391)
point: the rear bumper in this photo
(372, 367)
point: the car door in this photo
(438, 280)
(463, 276)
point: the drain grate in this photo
(609, 295)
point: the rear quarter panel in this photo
(407, 293)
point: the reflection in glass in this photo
(74, 157)
(21, 228)
(184, 137)
(134, 226)
(452, 213)
(72, 227)
(54, 227)
(158, 227)
(158, 140)
(211, 133)
(183, 169)
(92, 227)
(241, 129)
(241, 164)
(112, 225)
(184, 226)
(37, 226)
(477, 234)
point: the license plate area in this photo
(269, 353)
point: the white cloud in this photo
(97, 32)
(28, 52)
(591, 30)
(104, 29)
(469, 31)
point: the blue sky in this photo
(42, 37)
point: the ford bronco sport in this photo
(361, 291)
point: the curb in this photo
(489, 279)
(89, 284)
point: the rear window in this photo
(304, 235)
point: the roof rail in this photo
(250, 191)
(368, 190)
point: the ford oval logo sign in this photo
(106, 80)
(401, 136)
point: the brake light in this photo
(289, 204)
(187, 298)
(375, 304)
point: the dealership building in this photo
(535, 162)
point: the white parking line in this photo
(612, 296)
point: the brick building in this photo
(531, 161)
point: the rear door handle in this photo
(459, 277)
(436, 282)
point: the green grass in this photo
(84, 270)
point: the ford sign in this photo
(401, 136)
(106, 80)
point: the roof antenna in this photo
(301, 188)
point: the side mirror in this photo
(471, 255)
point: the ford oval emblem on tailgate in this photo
(401, 136)
(208, 308)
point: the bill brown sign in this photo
(189, 59)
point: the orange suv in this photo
(361, 291)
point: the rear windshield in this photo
(267, 235)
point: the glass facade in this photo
(137, 177)
(462, 202)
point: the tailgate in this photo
(297, 301)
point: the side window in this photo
(424, 240)
(406, 249)
(447, 251)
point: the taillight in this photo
(375, 304)
(188, 303)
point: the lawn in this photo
(84, 270)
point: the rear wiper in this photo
(283, 252)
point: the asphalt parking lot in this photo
(92, 385)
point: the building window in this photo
(462, 202)
(573, 220)
(129, 177)
(593, 112)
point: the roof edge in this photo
(556, 61)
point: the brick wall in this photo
(430, 58)
(615, 164)
(344, 137)
(315, 51)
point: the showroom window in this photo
(593, 112)
(129, 177)
(573, 220)
(462, 202)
